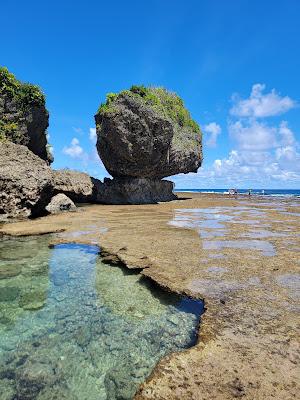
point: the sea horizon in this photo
(264, 192)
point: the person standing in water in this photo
(249, 192)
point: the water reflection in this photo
(210, 224)
(72, 327)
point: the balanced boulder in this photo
(23, 116)
(147, 133)
(25, 181)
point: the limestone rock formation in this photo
(135, 191)
(23, 115)
(78, 186)
(25, 181)
(147, 133)
(60, 203)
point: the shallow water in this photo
(72, 327)
(265, 247)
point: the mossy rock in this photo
(146, 132)
(23, 114)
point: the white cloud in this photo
(93, 134)
(263, 155)
(253, 136)
(213, 130)
(74, 150)
(287, 135)
(260, 105)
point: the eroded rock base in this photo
(135, 191)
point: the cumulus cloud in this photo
(259, 105)
(213, 130)
(92, 134)
(253, 135)
(74, 150)
(287, 136)
(263, 154)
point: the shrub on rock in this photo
(23, 115)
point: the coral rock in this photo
(147, 133)
(25, 181)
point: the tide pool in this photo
(72, 327)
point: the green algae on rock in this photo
(147, 133)
(23, 115)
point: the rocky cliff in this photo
(25, 182)
(23, 115)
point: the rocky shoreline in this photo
(248, 345)
(143, 135)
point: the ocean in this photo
(265, 192)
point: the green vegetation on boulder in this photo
(167, 103)
(23, 115)
(146, 132)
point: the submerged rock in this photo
(25, 181)
(9, 270)
(34, 376)
(135, 191)
(78, 186)
(147, 133)
(60, 203)
(9, 293)
(33, 299)
(23, 115)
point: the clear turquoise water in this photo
(72, 327)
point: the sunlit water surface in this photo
(72, 327)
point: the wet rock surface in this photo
(249, 342)
(25, 182)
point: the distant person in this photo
(249, 192)
(263, 192)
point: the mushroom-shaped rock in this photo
(147, 133)
(23, 115)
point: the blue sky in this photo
(235, 63)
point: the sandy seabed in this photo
(241, 255)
